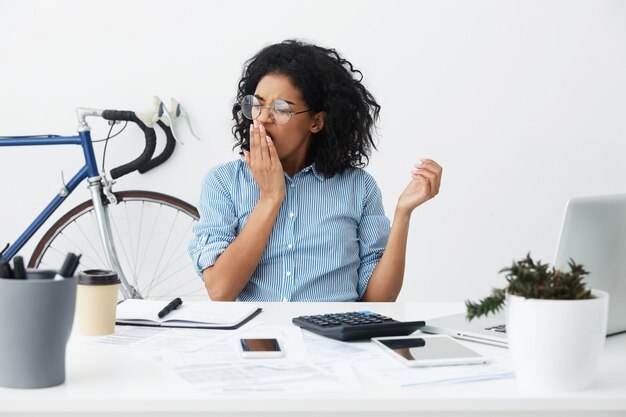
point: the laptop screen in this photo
(594, 235)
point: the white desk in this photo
(101, 379)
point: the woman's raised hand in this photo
(424, 185)
(264, 164)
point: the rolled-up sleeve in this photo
(373, 233)
(218, 223)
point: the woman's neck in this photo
(293, 166)
(297, 161)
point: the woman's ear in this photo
(318, 122)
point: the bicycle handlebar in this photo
(157, 115)
(145, 158)
(163, 156)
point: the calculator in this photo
(356, 325)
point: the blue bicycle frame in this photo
(89, 170)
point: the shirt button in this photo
(289, 246)
(285, 300)
(291, 214)
(292, 185)
(288, 273)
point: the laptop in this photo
(594, 235)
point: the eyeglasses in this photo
(280, 111)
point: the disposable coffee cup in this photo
(96, 301)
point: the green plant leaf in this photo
(533, 279)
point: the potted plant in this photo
(556, 327)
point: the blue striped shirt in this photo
(328, 237)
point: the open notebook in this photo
(196, 314)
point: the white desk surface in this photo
(103, 379)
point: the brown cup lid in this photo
(98, 277)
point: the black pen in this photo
(5, 269)
(18, 268)
(74, 266)
(69, 265)
(173, 305)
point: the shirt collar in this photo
(317, 174)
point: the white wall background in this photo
(522, 102)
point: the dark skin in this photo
(278, 149)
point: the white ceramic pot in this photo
(556, 344)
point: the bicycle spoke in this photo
(178, 244)
(162, 277)
(85, 255)
(163, 268)
(80, 229)
(130, 231)
(164, 248)
(166, 266)
(143, 205)
(152, 230)
(167, 240)
(172, 275)
(174, 257)
(45, 266)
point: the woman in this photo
(298, 219)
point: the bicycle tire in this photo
(76, 231)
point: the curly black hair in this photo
(328, 83)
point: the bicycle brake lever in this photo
(178, 111)
(164, 115)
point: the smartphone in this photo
(260, 348)
(429, 350)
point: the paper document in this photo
(124, 336)
(200, 314)
(218, 367)
(159, 338)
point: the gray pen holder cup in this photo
(36, 317)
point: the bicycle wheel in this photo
(150, 232)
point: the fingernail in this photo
(256, 124)
(419, 163)
(251, 126)
(268, 138)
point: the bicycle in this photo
(149, 229)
